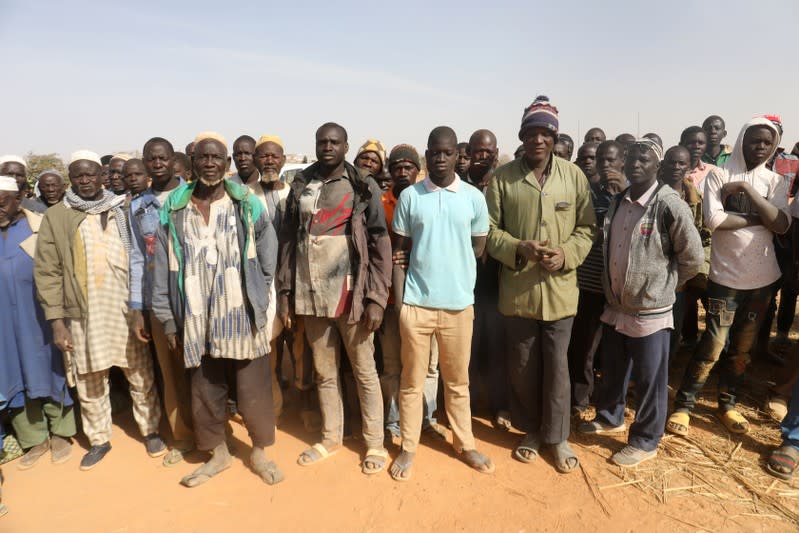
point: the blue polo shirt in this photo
(441, 224)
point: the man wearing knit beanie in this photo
(542, 227)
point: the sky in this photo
(107, 76)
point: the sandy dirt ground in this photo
(712, 482)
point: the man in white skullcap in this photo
(14, 166)
(81, 274)
(31, 367)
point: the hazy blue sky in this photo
(109, 75)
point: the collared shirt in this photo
(441, 223)
(724, 155)
(325, 251)
(697, 175)
(144, 220)
(625, 221)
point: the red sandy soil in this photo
(129, 491)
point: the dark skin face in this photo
(442, 156)
(464, 161)
(52, 188)
(569, 148)
(179, 170)
(594, 135)
(538, 144)
(189, 151)
(210, 162)
(105, 175)
(561, 150)
(243, 151)
(269, 159)
(135, 176)
(641, 168)
(586, 160)
(403, 173)
(159, 162)
(331, 149)
(715, 131)
(9, 208)
(676, 164)
(696, 144)
(484, 155)
(370, 163)
(116, 179)
(16, 171)
(86, 178)
(609, 166)
(757, 146)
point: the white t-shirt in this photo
(743, 258)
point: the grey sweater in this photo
(660, 260)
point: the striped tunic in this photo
(217, 323)
(103, 338)
(589, 273)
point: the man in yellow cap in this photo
(371, 159)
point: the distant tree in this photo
(38, 163)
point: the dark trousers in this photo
(539, 375)
(586, 335)
(646, 360)
(209, 392)
(787, 307)
(690, 324)
(678, 313)
(731, 314)
(489, 362)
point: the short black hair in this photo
(711, 118)
(563, 137)
(243, 138)
(158, 140)
(610, 143)
(442, 133)
(333, 125)
(690, 130)
(183, 159)
(106, 159)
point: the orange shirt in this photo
(389, 204)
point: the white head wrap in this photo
(85, 155)
(13, 159)
(8, 183)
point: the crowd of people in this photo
(540, 285)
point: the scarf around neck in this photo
(108, 202)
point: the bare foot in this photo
(268, 470)
(220, 461)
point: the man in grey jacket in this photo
(215, 259)
(651, 248)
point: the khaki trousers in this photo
(176, 393)
(453, 333)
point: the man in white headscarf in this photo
(744, 206)
(81, 274)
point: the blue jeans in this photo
(646, 359)
(733, 315)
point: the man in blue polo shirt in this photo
(440, 217)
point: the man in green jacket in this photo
(542, 226)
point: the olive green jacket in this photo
(562, 213)
(59, 268)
